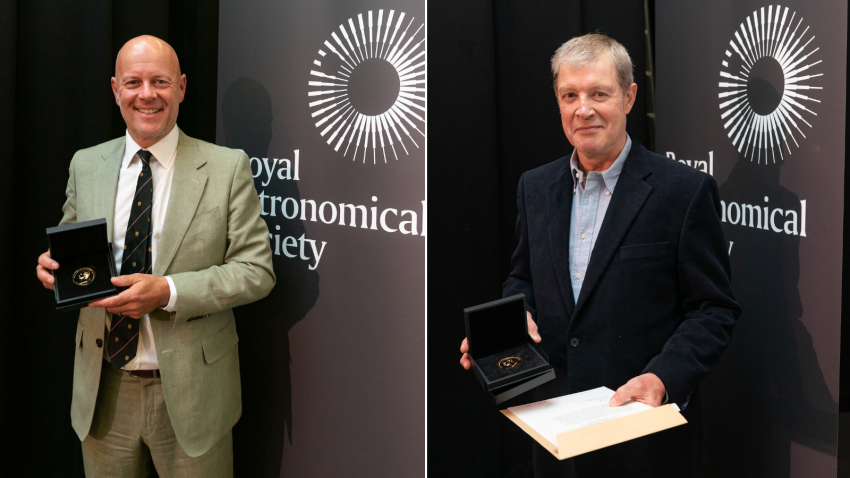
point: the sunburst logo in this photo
(760, 100)
(370, 88)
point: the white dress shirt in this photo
(162, 169)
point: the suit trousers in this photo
(131, 428)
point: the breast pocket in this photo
(639, 251)
(203, 221)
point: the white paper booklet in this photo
(570, 412)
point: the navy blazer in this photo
(656, 298)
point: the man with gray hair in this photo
(623, 263)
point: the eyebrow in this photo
(597, 86)
(155, 77)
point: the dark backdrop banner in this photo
(328, 100)
(754, 94)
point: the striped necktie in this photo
(124, 334)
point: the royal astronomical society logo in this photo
(768, 83)
(367, 87)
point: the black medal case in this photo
(497, 334)
(86, 264)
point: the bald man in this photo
(156, 371)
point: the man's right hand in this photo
(464, 346)
(45, 265)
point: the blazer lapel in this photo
(628, 199)
(104, 197)
(187, 186)
(558, 211)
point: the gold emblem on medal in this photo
(509, 362)
(83, 276)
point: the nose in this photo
(585, 110)
(147, 92)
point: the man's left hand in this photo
(146, 293)
(646, 388)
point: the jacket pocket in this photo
(203, 221)
(219, 343)
(638, 251)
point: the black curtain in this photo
(493, 115)
(8, 36)
(56, 59)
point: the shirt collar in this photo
(163, 150)
(611, 174)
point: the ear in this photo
(631, 94)
(182, 86)
(115, 90)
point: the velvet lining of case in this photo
(531, 359)
(65, 285)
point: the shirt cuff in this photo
(172, 301)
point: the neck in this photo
(145, 142)
(600, 161)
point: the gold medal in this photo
(509, 362)
(83, 276)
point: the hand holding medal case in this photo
(86, 264)
(504, 358)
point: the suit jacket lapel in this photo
(187, 186)
(104, 197)
(628, 199)
(558, 211)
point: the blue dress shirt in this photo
(591, 197)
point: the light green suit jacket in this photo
(215, 247)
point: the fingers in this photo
(126, 281)
(115, 302)
(45, 261)
(621, 396)
(646, 388)
(631, 389)
(139, 299)
(44, 276)
(128, 308)
(133, 313)
(42, 270)
(464, 362)
(532, 328)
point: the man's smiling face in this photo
(593, 108)
(149, 88)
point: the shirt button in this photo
(574, 342)
(607, 193)
(577, 175)
(578, 276)
(584, 236)
(99, 343)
